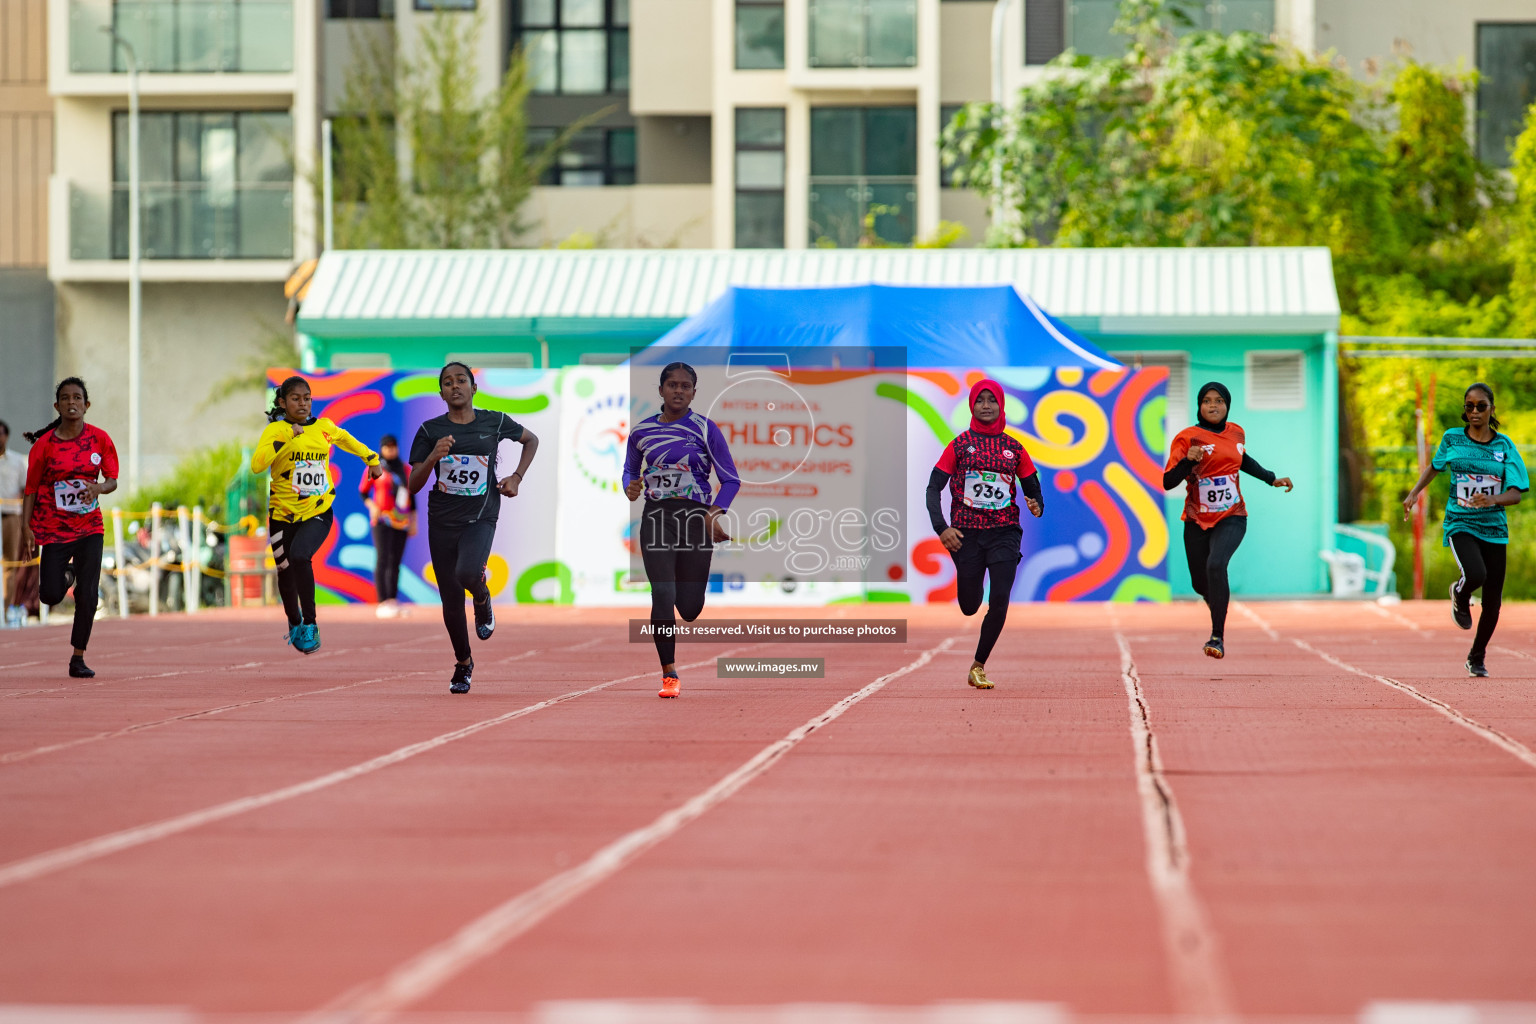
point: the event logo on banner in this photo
(818, 452)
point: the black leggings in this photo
(459, 554)
(82, 559)
(388, 549)
(1482, 565)
(676, 547)
(293, 548)
(1208, 552)
(968, 588)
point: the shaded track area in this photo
(1332, 822)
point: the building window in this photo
(212, 185)
(360, 9)
(575, 47)
(1506, 65)
(760, 178)
(593, 157)
(1051, 26)
(181, 36)
(759, 34)
(863, 175)
(445, 5)
(863, 33)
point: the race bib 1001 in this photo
(71, 496)
(662, 482)
(310, 478)
(986, 490)
(1470, 485)
(465, 475)
(1218, 493)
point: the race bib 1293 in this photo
(465, 475)
(310, 478)
(1217, 493)
(986, 490)
(72, 496)
(1470, 485)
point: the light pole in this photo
(999, 18)
(135, 278)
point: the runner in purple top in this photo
(669, 459)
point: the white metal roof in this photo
(1111, 291)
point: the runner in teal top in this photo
(1487, 474)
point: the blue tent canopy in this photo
(990, 325)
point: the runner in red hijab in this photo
(981, 467)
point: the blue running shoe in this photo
(307, 638)
(292, 636)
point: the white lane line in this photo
(1196, 973)
(37, 866)
(424, 973)
(1518, 654)
(23, 755)
(1508, 744)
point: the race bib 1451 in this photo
(1470, 485)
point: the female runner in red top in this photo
(980, 467)
(70, 466)
(1207, 458)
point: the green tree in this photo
(468, 166)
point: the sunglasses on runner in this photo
(1476, 407)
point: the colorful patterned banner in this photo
(1097, 439)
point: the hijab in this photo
(395, 465)
(1226, 396)
(997, 425)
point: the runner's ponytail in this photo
(33, 435)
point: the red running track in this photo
(1333, 822)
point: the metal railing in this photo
(185, 221)
(863, 33)
(182, 36)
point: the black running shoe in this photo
(1213, 648)
(461, 674)
(1463, 616)
(78, 669)
(1475, 668)
(485, 620)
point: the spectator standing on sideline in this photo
(393, 519)
(13, 481)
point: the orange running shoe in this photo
(671, 686)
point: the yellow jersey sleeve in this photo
(303, 481)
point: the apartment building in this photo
(26, 159)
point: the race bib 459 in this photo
(465, 475)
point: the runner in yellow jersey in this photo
(297, 450)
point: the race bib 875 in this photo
(1217, 493)
(465, 475)
(1470, 485)
(71, 496)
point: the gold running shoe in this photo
(978, 678)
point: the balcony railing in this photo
(863, 33)
(185, 36)
(184, 222)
